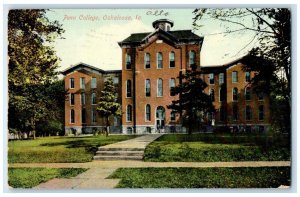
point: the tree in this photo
(32, 64)
(193, 103)
(271, 60)
(107, 105)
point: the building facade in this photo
(151, 64)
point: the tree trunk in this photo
(107, 126)
(190, 125)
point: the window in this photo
(221, 78)
(172, 86)
(72, 99)
(129, 113)
(116, 80)
(222, 113)
(234, 112)
(159, 60)
(247, 94)
(248, 113)
(82, 98)
(128, 88)
(116, 96)
(211, 78)
(82, 83)
(247, 76)
(159, 87)
(72, 116)
(172, 59)
(234, 77)
(261, 129)
(129, 130)
(222, 94)
(212, 94)
(94, 102)
(116, 121)
(94, 116)
(261, 112)
(147, 60)
(94, 83)
(148, 113)
(234, 94)
(83, 116)
(173, 116)
(147, 87)
(128, 61)
(72, 83)
(260, 96)
(192, 58)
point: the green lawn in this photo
(59, 149)
(217, 147)
(261, 177)
(30, 177)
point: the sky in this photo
(92, 35)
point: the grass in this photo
(59, 149)
(260, 177)
(214, 147)
(30, 177)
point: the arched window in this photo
(159, 87)
(128, 88)
(72, 116)
(247, 93)
(172, 59)
(129, 113)
(148, 87)
(192, 58)
(212, 94)
(128, 61)
(148, 112)
(234, 94)
(172, 86)
(159, 60)
(147, 60)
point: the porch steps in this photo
(119, 154)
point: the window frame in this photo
(190, 58)
(172, 52)
(94, 116)
(250, 111)
(211, 78)
(92, 98)
(147, 113)
(128, 93)
(237, 92)
(72, 110)
(127, 113)
(261, 112)
(82, 83)
(159, 54)
(236, 77)
(94, 83)
(72, 103)
(247, 94)
(128, 57)
(246, 77)
(145, 60)
(223, 81)
(170, 87)
(146, 88)
(81, 98)
(72, 83)
(158, 88)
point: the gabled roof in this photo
(224, 66)
(84, 65)
(178, 36)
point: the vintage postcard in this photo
(149, 98)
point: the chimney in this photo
(163, 24)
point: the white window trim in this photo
(162, 83)
(193, 58)
(145, 60)
(127, 88)
(71, 116)
(92, 116)
(71, 83)
(95, 83)
(170, 85)
(170, 60)
(146, 87)
(171, 116)
(127, 113)
(126, 62)
(220, 78)
(93, 93)
(82, 85)
(237, 77)
(161, 60)
(70, 97)
(146, 113)
(246, 77)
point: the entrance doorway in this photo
(160, 118)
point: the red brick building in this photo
(151, 63)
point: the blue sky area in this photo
(91, 35)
